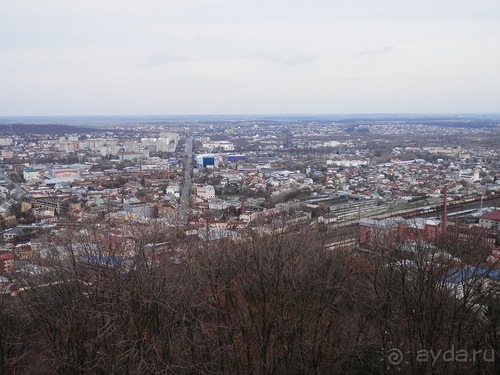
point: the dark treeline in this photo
(50, 129)
(268, 305)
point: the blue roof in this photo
(462, 275)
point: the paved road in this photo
(186, 185)
(10, 182)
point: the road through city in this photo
(186, 183)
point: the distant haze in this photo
(155, 57)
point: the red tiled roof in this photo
(494, 215)
(6, 256)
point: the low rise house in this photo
(205, 192)
(12, 234)
(6, 262)
(490, 220)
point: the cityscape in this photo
(117, 196)
(255, 187)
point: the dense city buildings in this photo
(325, 171)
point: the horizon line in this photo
(264, 114)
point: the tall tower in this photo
(242, 208)
(445, 210)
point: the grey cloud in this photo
(162, 59)
(299, 59)
(374, 52)
(197, 81)
(293, 60)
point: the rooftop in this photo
(494, 215)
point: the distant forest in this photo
(23, 129)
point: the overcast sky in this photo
(131, 57)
